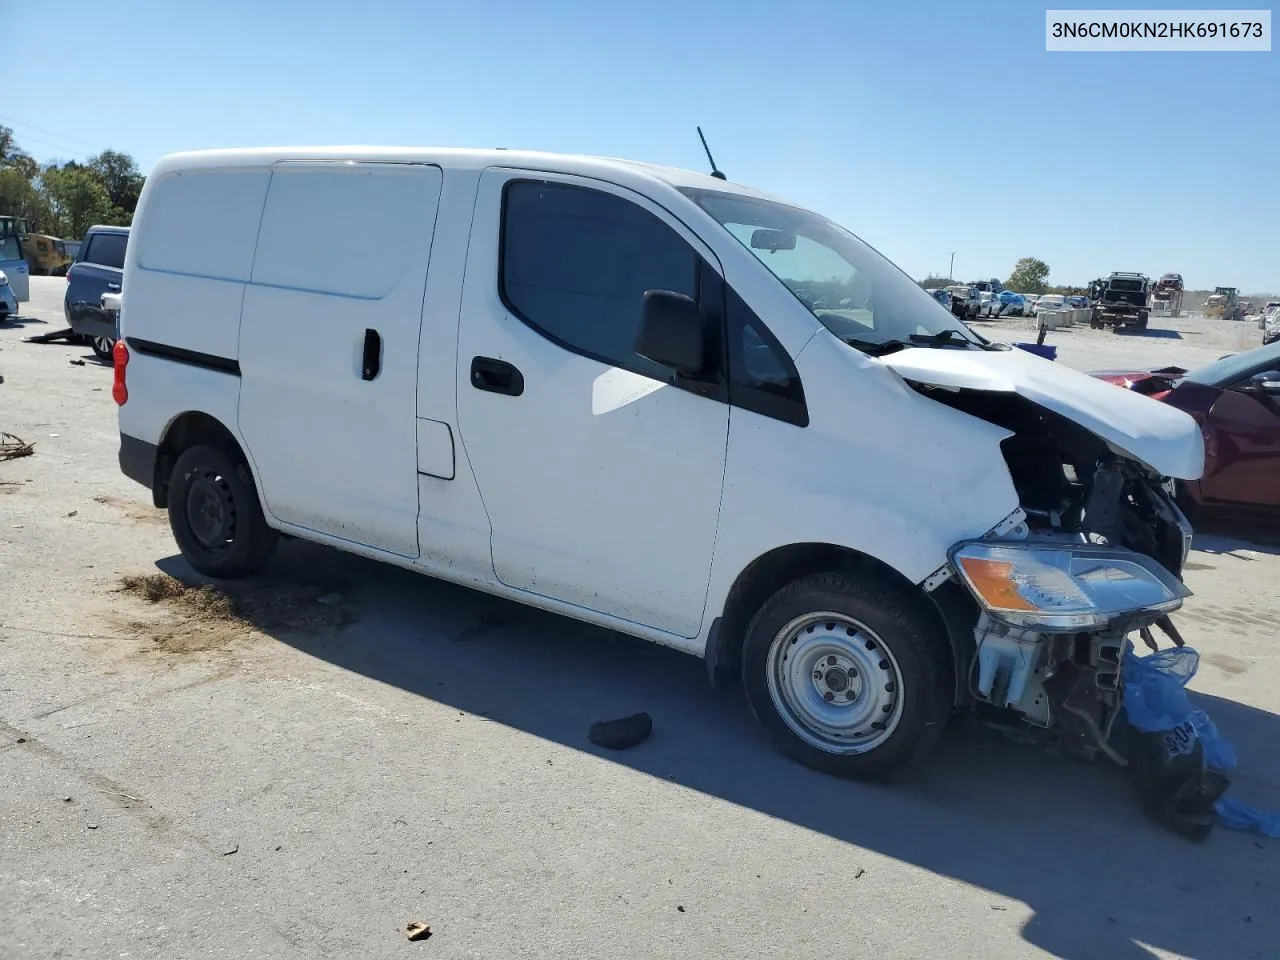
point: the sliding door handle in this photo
(372, 364)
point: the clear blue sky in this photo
(925, 128)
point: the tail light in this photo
(68, 274)
(120, 392)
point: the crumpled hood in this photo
(1161, 436)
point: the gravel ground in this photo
(304, 768)
(1188, 342)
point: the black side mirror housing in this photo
(1266, 382)
(671, 332)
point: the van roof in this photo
(458, 159)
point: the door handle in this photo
(496, 376)
(372, 364)
(113, 286)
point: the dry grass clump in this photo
(207, 616)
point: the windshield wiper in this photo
(946, 338)
(876, 346)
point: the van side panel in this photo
(186, 273)
(190, 313)
(204, 223)
(329, 348)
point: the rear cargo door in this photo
(329, 347)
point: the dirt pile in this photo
(197, 617)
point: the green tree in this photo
(20, 197)
(77, 199)
(936, 283)
(119, 174)
(67, 198)
(9, 148)
(1029, 276)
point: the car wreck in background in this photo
(1122, 301)
(1236, 402)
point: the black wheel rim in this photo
(211, 511)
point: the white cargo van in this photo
(656, 401)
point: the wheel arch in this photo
(954, 612)
(188, 429)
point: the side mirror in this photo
(773, 240)
(1266, 382)
(671, 332)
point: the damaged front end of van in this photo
(1092, 558)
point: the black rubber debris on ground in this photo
(68, 335)
(623, 733)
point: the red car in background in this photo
(1236, 401)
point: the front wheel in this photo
(215, 515)
(848, 674)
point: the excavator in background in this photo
(1223, 303)
(1166, 295)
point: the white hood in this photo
(1161, 436)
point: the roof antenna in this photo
(710, 159)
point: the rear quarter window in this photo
(203, 223)
(107, 250)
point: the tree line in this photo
(64, 199)
(1030, 275)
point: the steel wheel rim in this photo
(211, 511)
(835, 683)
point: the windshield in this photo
(856, 293)
(1232, 368)
(1128, 286)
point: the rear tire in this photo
(848, 674)
(102, 347)
(215, 515)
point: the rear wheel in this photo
(215, 515)
(848, 674)
(102, 347)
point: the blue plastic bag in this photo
(1156, 701)
(1240, 816)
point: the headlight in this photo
(1056, 588)
(3, 279)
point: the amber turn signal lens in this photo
(993, 579)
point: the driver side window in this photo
(575, 265)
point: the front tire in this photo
(215, 515)
(848, 674)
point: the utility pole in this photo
(951, 269)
